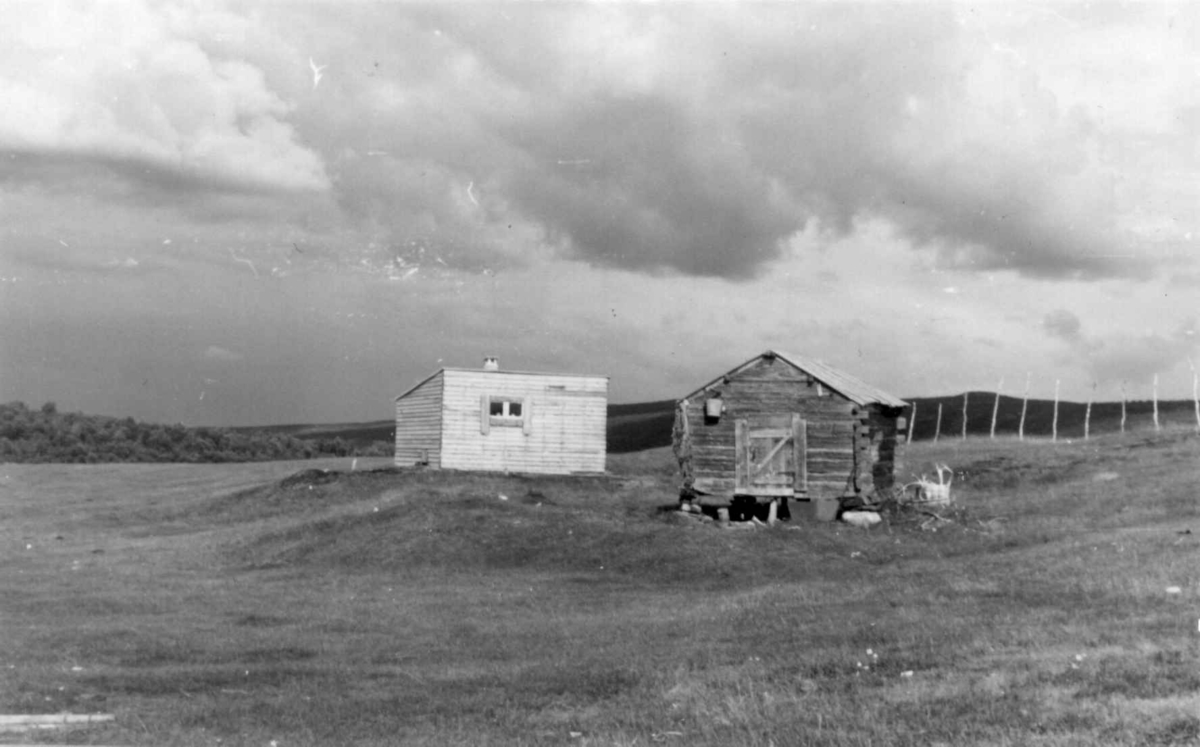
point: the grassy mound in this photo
(257, 603)
(591, 529)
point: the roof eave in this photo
(866, 394)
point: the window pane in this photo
(514, 409)
(497, 407)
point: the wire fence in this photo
(994, 414)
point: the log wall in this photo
(887, 446)
(849, 447)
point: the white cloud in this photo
(129, 81)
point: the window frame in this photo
(503, 420)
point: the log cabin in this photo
(782, 426)
(508, 421)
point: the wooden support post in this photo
(996, 406)
(964, 431)
(1024, 408)
(723, 515)
(1054, 423)
(1154, 394)
(912, 420)
(938, 431)
(773, 512)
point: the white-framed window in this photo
(504, 411)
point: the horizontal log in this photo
(834, 476)
(735, 409)
(765, 403)
(830, 489)
(729, 457)
(754, 407)
(819, 445)
(775, 398)
(836, 438)
(815, 466)
(829, 467)
(713, 485)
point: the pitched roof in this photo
(854, 389)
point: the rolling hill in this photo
(647, 425)
(44, 435)
(244, 604)
(631, 427)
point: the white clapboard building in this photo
(509, 421)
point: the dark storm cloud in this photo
(1126, 357)
(697, 140)
(1115, 357)
(1008, 221)
(1138, 359)
(633, 182)
(688, 138)
(1062, 324)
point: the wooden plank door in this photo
(771, 456)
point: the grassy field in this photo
(264, 604)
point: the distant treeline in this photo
(47, 435)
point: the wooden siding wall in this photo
(838, 448)
(419, 424)
(566, 434)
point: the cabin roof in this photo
(852, 388)
(502, 372)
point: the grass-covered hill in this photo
(47, 435)
(631, 427)
(250, 603)
(647, 425)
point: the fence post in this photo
(1024, 407)
(938, 431)
(1054, 423)
(912, 418)
(1087, 415)
(1154, 393)
(996, 406)
(1123, 408)
(964, 433)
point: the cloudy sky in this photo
(290, 212)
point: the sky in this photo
(291, 212)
